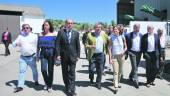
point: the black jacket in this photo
(64, 48)
(144, 46)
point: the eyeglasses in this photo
(69, 22)
(26, 28)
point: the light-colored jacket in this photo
(91, 40)
(28, 44)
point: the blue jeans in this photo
(23, 62)
(97, 61)
(47, 68)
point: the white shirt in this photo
(28, 44)
(117, 44)
(151, 43)
(99, 44)
(162, 41)
(136, 42)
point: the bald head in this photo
(150, 29)
(136, 27)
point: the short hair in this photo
(51, 25)
(23, 25)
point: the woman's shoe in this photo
(116, 90)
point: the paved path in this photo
(9, 73)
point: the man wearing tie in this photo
(150, 48)
(68, 51)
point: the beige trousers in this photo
(117, 69)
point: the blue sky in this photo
(90, 11)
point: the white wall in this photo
(34, 22)
(144, 24)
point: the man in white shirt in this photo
(134, 50)
(27, 42)
(162, 39)
(150, 48)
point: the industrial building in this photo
(13, 16)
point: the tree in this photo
(113, 23)
(162, 15)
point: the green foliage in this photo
(78, 26)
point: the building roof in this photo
(26, 10)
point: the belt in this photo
(30, 55)
(98, 53)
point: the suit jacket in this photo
(129, 40)
(64, 48)
(9, 40)
(144, 46)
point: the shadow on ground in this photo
(30, 84)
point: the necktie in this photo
(69, 36)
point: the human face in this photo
(98, 28)
(116, 31)
(46, 27)
(150, 29)
(69, 24)
(111, 28)
(136, 28)
(26, 28)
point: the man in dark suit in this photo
(150, 48)
(6, 39)
(134, 50)
(68, 51)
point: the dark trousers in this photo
(85, 50)
(151, 68)
(161, 61)
(97, 61)
(135, 60)
(68, 72)
(47, 69)
(7, 52)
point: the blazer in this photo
(66, 49)
(9, 40)
(144, 42)
(129, 40)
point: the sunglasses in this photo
(26, 28)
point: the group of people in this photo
(49, 47)
(119, 46)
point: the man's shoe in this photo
(152, 83)
(73, 94)
(116, 90)
(49, 90)
(45, 87)
(147, 85)
(98, 86)
(136, 85)
(18, 89)
(36, 83)
(119, 86)
(159, 76)
(91, 83)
